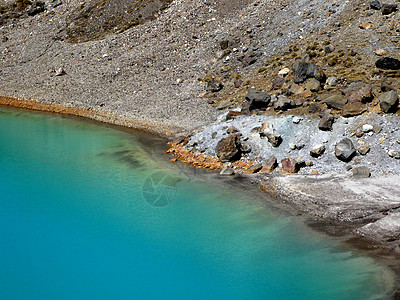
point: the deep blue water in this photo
(75, 224)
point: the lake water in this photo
(91, 212)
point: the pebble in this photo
(367, 128)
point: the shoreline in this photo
(91, 114)
(341, 229)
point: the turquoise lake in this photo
(91, 212)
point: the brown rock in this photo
(358, 92)
(232, 114)
(353, 109)
(228, 149)
(290, 165)
(269, 165)
(253, 169)
(336, 101)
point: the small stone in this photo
(312, 84)
(290, 165)
(296, 89)
(375, 4)
(238, 83)
(231, 129)
(365, 25)
(344, 150)
(269, 165)
(284, 72)
(227, 171)
(317, 150)
(381, 52)
(394, 154)
(361, 172)
(55, 3)
(359, 134)
(388, 8)
(367, 128)
(245, 148)
(232, 114)
(363, 149)
(224, 104)
(388, 63)
(309, 163)
(265, 129)
(253, 169)
(296, 120)
(275, 140)
(332, 81)
(60, 72)
(388, 101)
(326, 122)
(278, 83)
(214, 85)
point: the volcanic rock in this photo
(269, 165)
(326, 122)
(388, 63)
(290, 165)
(388, 101)
(361, 172)
(317, 151)
(228, 149)
(344, 150)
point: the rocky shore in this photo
(301, 97)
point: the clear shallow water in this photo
(74, 224)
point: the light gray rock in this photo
(388, 101)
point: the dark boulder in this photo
(284, 103)
(345, 150)
(303, 70)
(388, 63)
(228, 149)
(326, 122)
(375, 4)
(388, 8)
(258, 99)
(388, 101)
(36, 8)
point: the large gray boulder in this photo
(228, 149)
(388, 101)
(258, 99)
(345, 150)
